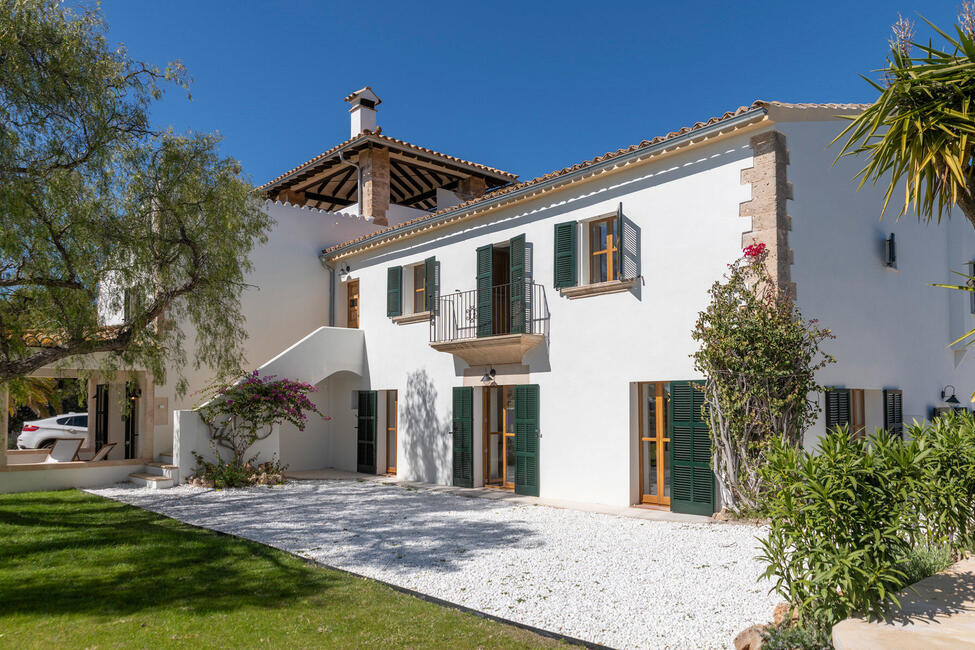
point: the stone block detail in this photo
(767, 208)
(471, 187)
(374, 166)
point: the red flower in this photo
(754, 250)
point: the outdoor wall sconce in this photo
(948, 395)
(489, 376)
(890, 252)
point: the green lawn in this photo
(81, 571)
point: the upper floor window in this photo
(412, 290)
(419, 288)
(596, 256)
(604, 250)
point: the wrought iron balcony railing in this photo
(516, 308)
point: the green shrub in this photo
(835, 544)
(798, 638)
(925, 560)
(222, 474)
(945, 494)
(858, 520)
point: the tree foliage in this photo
(760, 358)
(921, 129)
(104, 215)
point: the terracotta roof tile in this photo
(378, 137)
(561, 172)
(588, 163)
(352, 94)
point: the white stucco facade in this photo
(682, 205)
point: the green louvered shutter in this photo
(430, 286)
(894, 412)
(837, 408)
(485, 276)
(526, 439)
(463, 436)
(566, 271)
(366, 433)
(691, 479)
(394, 291)
(519, 293)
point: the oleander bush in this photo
(857, 520)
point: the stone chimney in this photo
(373, 161)
(363, 111)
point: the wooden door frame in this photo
(391, 449)
(662, 437)
(348, 303)
(486, 434)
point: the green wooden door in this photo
(464, 436)
(516, 264)
(526, 439)
(485, 279)
(691, 478)
(366, 433)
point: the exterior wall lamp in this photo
(489, 375)
(948, 395)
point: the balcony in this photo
(490, 326)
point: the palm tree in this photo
(921, 129)
(36, 393)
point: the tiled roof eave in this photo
(378, 138)
(729, 121)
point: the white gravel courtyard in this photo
(616, 581)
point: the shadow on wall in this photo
(425, 439)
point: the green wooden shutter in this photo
(366, 432)
(430, 288)
(691, 479)
(894, 412)
(394, 291)
(526, 439)
(618, 266)
(837, 408)
(566, 267)
(485, 277)
(519, 293)
(463, 436)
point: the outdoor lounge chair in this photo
(102, 453)
(64, 450)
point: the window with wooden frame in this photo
(603, 250)
(419, 288)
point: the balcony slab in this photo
(485, 350)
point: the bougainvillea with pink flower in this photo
(246, 411)
(760, 357)
(754, 250)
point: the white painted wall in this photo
(288, 299)
(61, 478)
(686, 207)
(892, 327)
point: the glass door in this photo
(392, 419)
(499, 436)
(654, 442)
(353, 315)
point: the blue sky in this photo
(526, 87)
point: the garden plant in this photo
(241, 414)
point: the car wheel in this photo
(47, 444)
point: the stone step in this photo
(152, 481)
(164, 469)
(166, 458)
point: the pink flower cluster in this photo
(268, 400)
(754, 250)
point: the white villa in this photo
(466, 328)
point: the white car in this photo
(38, 434)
